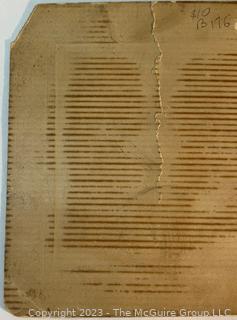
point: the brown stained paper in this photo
(122, 160)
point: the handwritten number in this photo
(206, 12)
(219, 21)
(197, 13)
(194, 14)
(226, 22)
(202, 21)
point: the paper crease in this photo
(158, 115)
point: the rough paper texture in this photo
(122, 160)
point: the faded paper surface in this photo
(121, 170)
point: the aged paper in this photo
(122, 160)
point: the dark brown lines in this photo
(104, 109)
(51, 157)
